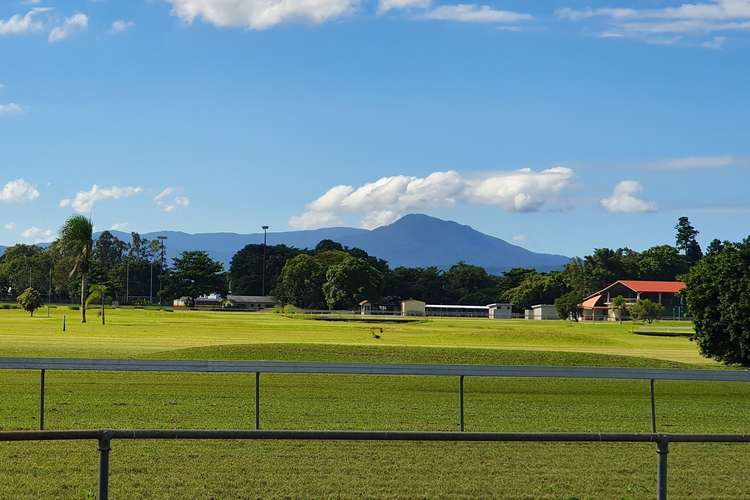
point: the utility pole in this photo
(49, 289)
(127, 281)
(163, 263)
(263, 272)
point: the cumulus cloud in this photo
(685, 19)
(260, 14)
(623, 199)
(18, 191)
(19, 24)
(121, 26)
(382, 201)
(84, 201)
(38, 235)
(472, 13)
(168, 201)
(119, 226)
(11, 109)
(10, 226)
(70, 26)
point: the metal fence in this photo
(104, 437)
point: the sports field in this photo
(344, 470)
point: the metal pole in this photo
(257, 401)
(653, 408)
(127, 281)
(104, 448)
(41, 400)
(263, 271)
(662, 451)
(461, 400)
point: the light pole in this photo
(161, 270)
(263, 272)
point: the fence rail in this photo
(104, 437)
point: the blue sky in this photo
(561, 125)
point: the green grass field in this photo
(346, 470)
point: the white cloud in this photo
(119, 226)
(623, 199)
(71, 25)
(121, 26)
(388, 5)
(697, 162)
(10, 226)
(687, 18)
(18, 191)
(260, 14)
(473, 13)
(37, 235)
(19, 24)
(520, 238)
(167, 203)
(715, 43)
(84, 201)
(11, 109)
(385, 199)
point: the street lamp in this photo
(263, 272)
(161, 270)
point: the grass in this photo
(346, 470)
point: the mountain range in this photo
(414, 240)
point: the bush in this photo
(30, 300)
(718, 297)
(74, 308)
(646, 310)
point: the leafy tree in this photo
(716, 246)
(718, 298)
(350, 282)
(301, 282)
(98, 293)
(536, 289)
(662, 262)
(646, 310)
(195, 274)
(246, 268)
(686, 240)
(466, 283)
(30, 300)
(567, 305)
(328, 245)
(76, 240)
(23, 266)
(423, 283)
(620, 306)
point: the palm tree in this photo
(98, 292)
(76, 237)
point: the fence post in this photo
(257, 401)
(662, 451)
(41, 400)
(461, 401)
(653, 408)
(104, 448)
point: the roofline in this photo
(622, 282)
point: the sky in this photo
(560, 125)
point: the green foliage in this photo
(301, 282)
(718, 297)
(195, 274)
(30, 300)
(246, 268)
(567, 305)
(76, 243)
(620, 306)
(350, 282)
(646, 310)
(536, 289)
(686, 240)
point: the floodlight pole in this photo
(263, 272)
(161, 271)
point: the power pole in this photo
(163, 263)
(263, 272)
(127, 281)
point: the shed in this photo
(412, 307)
(544, 312)
(500, 311)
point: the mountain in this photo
(413, 240)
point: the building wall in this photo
(412, 308)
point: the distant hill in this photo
(413, 240)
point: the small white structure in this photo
(365, 308)
(250, 302)
(543, 312)
(500, 311)
(528, 314)
(412, 307)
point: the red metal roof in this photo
(654, 286)
(589, 303)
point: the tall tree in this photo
(686, 240)
(350, 282)
(301, 282)
(76, 240)
(195, 274)
(246, 268)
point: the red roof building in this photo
(598, 306)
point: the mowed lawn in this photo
(358, 469)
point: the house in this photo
(598, 306)
(542, 312)
(500, 311)
(212, 301)
(250, 302)
(412, 307)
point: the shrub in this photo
(646, 310)
(30, 300)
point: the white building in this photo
(500, 311)
(412, 307)
(542, 312)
